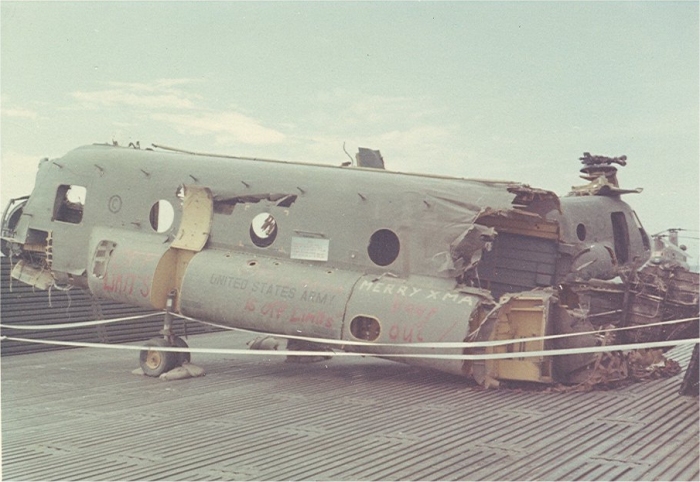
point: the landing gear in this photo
(182, 357)
(155, 362)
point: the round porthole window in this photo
(263, 230)
(162, 216)
(365, 328)
(581, 232)
(383, 247)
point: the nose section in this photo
(10, 219)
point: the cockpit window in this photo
(620, 236)
(642, 232)
(70, 201)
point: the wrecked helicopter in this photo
(376, 261)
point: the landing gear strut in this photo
(155, 362)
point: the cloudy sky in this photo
(511, 90)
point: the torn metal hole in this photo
(226, 205)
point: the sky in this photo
(490, 90)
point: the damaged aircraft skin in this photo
(356, 254)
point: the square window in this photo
(70, 201)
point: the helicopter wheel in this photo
(155, 362)
(182, 357)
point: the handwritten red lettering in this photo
(407, 332)
(319, 318)
(394, 332)
(413, 310)
(274, 309)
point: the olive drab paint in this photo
(341, 253)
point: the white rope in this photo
(78, 324)
(490, 356)
(325, 341)
(468, 344)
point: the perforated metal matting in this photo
(81, 414)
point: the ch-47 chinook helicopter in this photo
(374, 261)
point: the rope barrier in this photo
(446, 356)
(79, 324)
(472, 344)
(324, 341)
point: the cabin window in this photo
(384, 247)
(620, 236)
(162, 216)
(365, 328)
(70, 201)
(263, 230)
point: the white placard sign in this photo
(311, 249)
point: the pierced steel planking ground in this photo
(81, 415)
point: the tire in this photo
(181, 357)
(155, 362)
